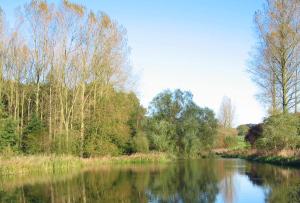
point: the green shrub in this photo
(161, 135)
(243, 130)
(34, 137)
(222, 134)
(63, 144)
(140, 143)
(280, 132)
(97, 145)
(230, 141)
(8, 136)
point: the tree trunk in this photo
(274, 102)
(50, 114)
(296, 91)
(37, 99)
(82, 119)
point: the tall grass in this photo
(38, 164)
(137, 158)
(23, 165)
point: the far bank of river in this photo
(282, 158)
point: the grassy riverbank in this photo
(23, 165)
(282, 158)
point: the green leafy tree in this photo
(140, 143)
(114, 127)
(8, 135)
(162, 135)
(178, 124)
(33, 139)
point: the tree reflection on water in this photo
(185, 181)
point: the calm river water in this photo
(204, 180)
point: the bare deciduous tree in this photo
(226, 113)
(276, 64)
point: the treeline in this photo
(275, 69)
(65, 88)
(64, 81)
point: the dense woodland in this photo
(66, 88)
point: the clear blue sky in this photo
(197, 45)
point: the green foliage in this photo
(34, 139)
(162, 135)
(8, 136)
(242, 144)
(235, 143)
(222, 133)
(140, 143)
(177, 124)
(243, 130)
(111, 130)
(198, 129)
(280, 132)
(230, 141)
(2, 112)
(96, 145)
(63, 144)
(137, 113)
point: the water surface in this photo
(205, 180)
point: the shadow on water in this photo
(205, 180)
